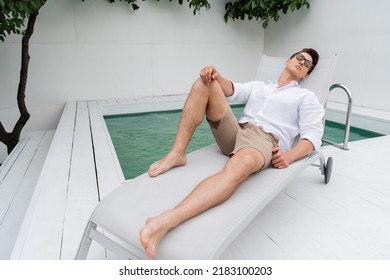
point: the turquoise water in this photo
(141, 139)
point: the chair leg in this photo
(85, 242)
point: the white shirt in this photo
(288, 111)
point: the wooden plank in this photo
(109, 172)
(82, 195)
(365, 231)
(111, 101)
(121, 100)
(15, 175)
(254, 244)
(8, 161)
(345, 202)
(140, 99)
(341, 244)
(131, 100)
(344, 217)
(102, 102)
(296, 243)
(12, 157)
(13, 219)
(40, 236)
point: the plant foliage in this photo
(261, 10)
(196, 5)
(13, 15)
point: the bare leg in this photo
(211, 192)
(203, 99)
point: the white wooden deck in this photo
(79, 170)
(18, 177)
(347, 219)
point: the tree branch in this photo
(6, 138)
(3, 133)
(24, 114)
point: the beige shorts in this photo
(232, 136)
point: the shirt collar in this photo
(291, 84)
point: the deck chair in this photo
(118, 218)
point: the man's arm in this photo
(209, 74)
(282, 159)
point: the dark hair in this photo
(314, 55)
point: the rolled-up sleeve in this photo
(241, 92)
(311, 120)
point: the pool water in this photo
(141, 139)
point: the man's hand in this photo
(208, 74)
(280, 159)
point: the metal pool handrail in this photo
(343, 146)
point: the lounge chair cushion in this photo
(124, 212)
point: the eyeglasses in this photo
(301, 57)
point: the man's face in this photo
(300, 64)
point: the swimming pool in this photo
(141, 139)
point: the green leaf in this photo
(262, 10)
(15, 14)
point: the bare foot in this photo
(172, 159)
(152, 233)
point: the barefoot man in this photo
(274, 114)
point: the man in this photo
(273, 116)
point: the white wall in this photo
(357, 30)
(96, 50)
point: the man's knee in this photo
(249, 164)
(198, 86)
(245, 162)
